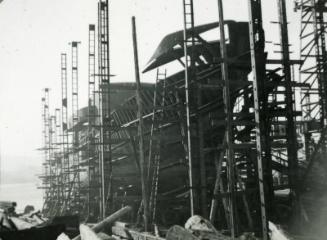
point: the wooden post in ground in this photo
(109, 220)
(140, 131)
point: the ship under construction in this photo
(232, 134)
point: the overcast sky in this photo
(33, 33)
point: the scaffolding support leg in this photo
(257, 52)
(140, 131)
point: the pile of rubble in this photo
(31, 225)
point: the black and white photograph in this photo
(163, 120)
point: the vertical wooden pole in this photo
(140, 129)
(189, 67)
(101, 155)
(291, 128)
(258, 70)
(228, 118)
